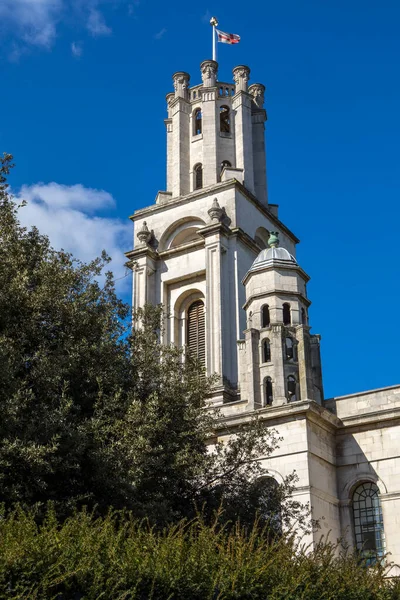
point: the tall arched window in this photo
(303, 316)
(292, 389)
(266, 351)
(196, 340)
(197, 122)
(286, 314)
(265, 319)
(224, 119)
(269, 397)
(289, 351)
(368, 521)
(198, 176)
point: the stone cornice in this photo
(367, 421)
(218, 187)
(214, 228)
(281, 414)
(275, 265)
(142, 251)
(274, 292)
(183, 249)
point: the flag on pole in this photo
(227, 38)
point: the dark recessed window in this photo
(224, 119)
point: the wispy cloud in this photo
(72, 218)
(34, 23)
(206, 17)
(96, 24)
(76, 49)
(160, 34)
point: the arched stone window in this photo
(196, 332)
(268, 392)
(266, 351)
(368, 521)
(292, 389)
(198, 176)
(224, 119)
(197, 122)
(289, 349)
(265, 318)
(225, 163)
(286, 314)
(303, 316)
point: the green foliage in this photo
(94, 414)
(116, 558)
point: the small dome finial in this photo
(273, 240)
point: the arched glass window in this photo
(269, 398)
(291, 387)
(197, 122)
(368, 522)
(289, 351)
(303, 316)
(196, 339)
(198, 177)
(224, 119)
(266, 351)
(286, 314)
(265, 319)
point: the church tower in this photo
(193, 247)
(213, 252)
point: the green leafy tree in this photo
(94, 413)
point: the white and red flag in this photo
(227, 38)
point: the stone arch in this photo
(362, 477)
(182, 303)
(261, 237)
(180, 232)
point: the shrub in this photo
(117, 557)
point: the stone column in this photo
(241, 105)
(304, 361)
(170, 148)
(209, 70)
(180, 113)
(259, 116)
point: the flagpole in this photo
(214, 23)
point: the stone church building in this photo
(214, 252)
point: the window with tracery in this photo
(197, 122)
(368, 521)
(224, 119)
(198, 177)
(196, 332)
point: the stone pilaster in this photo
(241, 104)
(259, 116)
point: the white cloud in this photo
(69, 215)
(76, 49)
(34, 23)
(160, 34)
(96, 24)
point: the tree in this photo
(94, 413)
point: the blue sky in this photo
(83, 103)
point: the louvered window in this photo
(196, 332)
